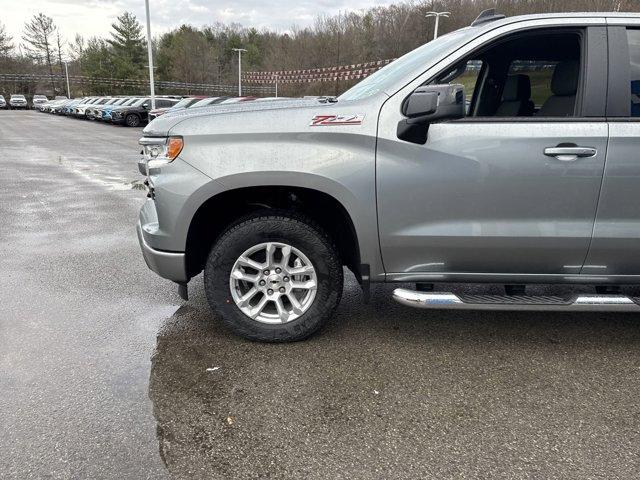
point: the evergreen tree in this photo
(128, 46)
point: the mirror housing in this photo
(435, 103)
(430, 104)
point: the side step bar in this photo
(577, 303)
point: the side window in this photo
(633, 37)
(540, 74)
(530, 74)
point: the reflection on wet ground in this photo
(388, 392)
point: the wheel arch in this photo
(215, 214)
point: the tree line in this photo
(205, 54)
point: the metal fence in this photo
(135, 83)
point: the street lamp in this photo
(437, 15)
(66, 70)
(239, 50)
(150, 54)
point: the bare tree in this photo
(77, 47)
(38, 37)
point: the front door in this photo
(497, 194)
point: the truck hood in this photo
(162, 125)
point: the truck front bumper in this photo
(169, 265)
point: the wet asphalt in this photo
(106, 373)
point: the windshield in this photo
(131, 101)
(396, 71)
(18, 96)
(185, 102)
(203, 102)
(139, 102)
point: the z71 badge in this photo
(335, 120)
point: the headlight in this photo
(158, 151)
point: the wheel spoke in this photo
(304, 270)
(247, 262)
(246, 298)
(305, 285)
(282, 312)
(286, 256)
(270, 251)
(297, 308)
(240, 275)
(257, 310)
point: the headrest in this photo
(517, 87)
(565, 78)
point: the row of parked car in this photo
(132, 111)
(17, 101)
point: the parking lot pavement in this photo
(106, 373)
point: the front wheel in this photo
(274, 278)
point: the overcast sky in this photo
(94, 17)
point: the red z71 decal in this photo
(330, 120)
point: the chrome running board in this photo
(576, 303)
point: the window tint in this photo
(633, 36)
(540, 74)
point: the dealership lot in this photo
(106, 373)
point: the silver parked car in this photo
(477, 158)
(3, 102)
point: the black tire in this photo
(132, 120)
(296, 231)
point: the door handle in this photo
(570, 153)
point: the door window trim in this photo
(591, 104)
(619, 92)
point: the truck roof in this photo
(493, 19)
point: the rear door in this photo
(486, 196)
(615, 249)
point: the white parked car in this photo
(39, 100)
(3, 102)
(18, 101)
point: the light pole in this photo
(239, 50)
(150, 54)
(437, 15)
(276, 78)
(66, 71)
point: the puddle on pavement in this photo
(370, 388)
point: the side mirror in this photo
(435, 103)
(430, 104)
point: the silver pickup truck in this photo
(506, 152)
